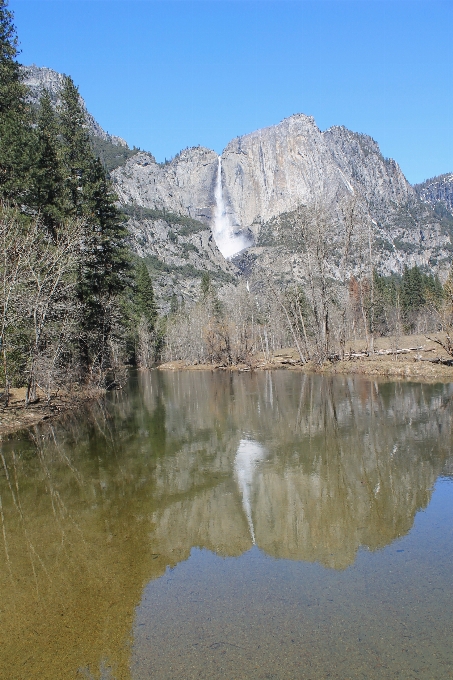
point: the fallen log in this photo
(437, 360)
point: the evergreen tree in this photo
(412, 289)
(104, 269)
(16, 134)
(76, 150)
(205, 285)
(432, 289)
(48, 190)
(447, 291)
(90, 197)
(145, 306)
(107, 254)
(49, 166)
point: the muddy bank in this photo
(16, 416)
(409, 357)
(404, 368)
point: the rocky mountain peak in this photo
(261, 179)
(40, 78)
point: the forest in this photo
(76, 302)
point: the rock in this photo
(184, 185)
(438, 190)
(270, 172)
(39, 78)
(266, 176)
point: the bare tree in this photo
(38, 303)
(16, 244)
(50, 280)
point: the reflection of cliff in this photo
(348, 463)
(98, 506)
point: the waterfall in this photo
(229, 241)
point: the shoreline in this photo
(403, 369)
(16, 416)
(410, 357)
(414, 361)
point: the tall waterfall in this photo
(229, 242)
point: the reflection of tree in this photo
(76, 528)
(93, 508)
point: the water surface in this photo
(202, 525)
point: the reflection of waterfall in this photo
(248, 455)
(228, 241)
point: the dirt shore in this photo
(16, 416)
(412, 357)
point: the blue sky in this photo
(165, 75)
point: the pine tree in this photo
(432, 289)
(107, 239)
(76, 150)
(11, 91)
(91, 197)
(48, 188)
(145, 306)
(16, 134)
(104, 269)
(412, 289)
(448, 291)
(205, 285)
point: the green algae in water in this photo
(206, 525)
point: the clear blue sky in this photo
(165, 75)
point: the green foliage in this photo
(49, 172)
(76, 149)
(384, 244)
(386, 289)
(16, 133)
(188, 224)
(433, 291)
(205, 285)
(386, 300)
(107, 254)
(48, 192)
(145, 306)
(404, 296)
(412, 297)
(111, 155)
(405, 247)
(417, 289)
(8, 65)
(440, 210)
(157, 266)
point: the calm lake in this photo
(212, 525)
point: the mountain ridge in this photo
(266, 174)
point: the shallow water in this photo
(201, 525)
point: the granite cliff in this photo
(437, 192)
(265, 178)
(270, 173)
(39, 78)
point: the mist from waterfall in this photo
(228, 241)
